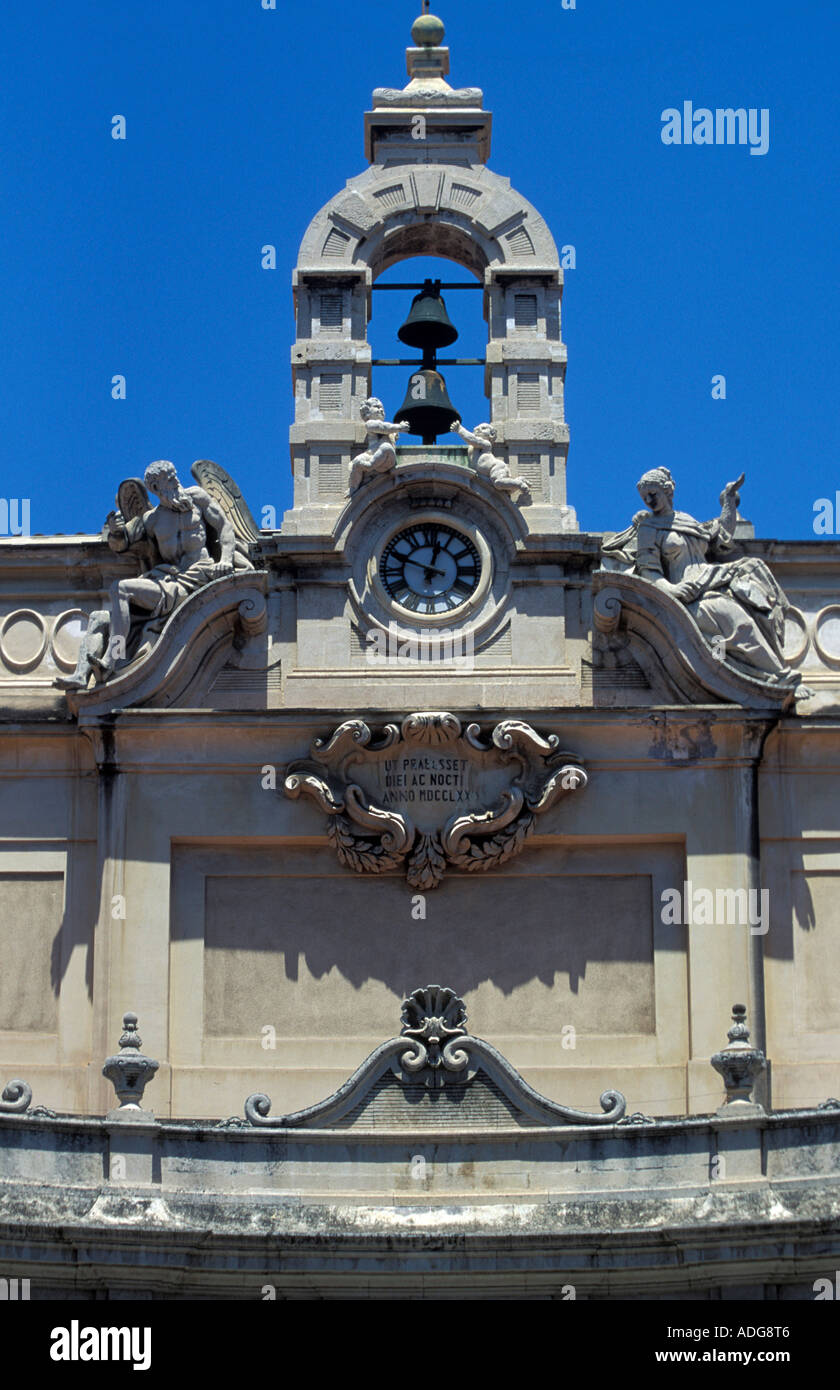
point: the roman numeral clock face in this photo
(430, 568)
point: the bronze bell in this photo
(427, 407)
(428, 325)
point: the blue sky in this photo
(142, 257)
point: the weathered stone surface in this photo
(233, 1211)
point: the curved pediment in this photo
(670, 648)
(205, 623)
(434, 1074)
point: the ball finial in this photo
(427, 30)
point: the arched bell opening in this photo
(467, 224)
(428, 340)
(444, 238)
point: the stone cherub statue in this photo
(195, 535)
(380, 455)
(485, 462)
(736, 603)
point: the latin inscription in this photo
(425, 777)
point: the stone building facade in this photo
(287, 808)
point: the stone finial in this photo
(427, 63)
(129, 1071)
(739, 1064)
(427, 30)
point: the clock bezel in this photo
(452, 523)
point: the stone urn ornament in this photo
(129, 1070)
(739, 1064)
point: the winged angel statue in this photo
(193, 536)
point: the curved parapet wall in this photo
(670, 648)
(194, 633)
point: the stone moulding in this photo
(192, 634)
(482, 231)
(670, 648)
(435, 1048)
(386, 796)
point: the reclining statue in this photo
(188, 540)
(737, 604)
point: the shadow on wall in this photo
(327, 952)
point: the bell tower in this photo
(428, 192)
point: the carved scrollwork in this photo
(459, 829)
(513, 735)
(252, 614)
(348, 738)
(434, 1048)
(511, 827)
(257, 1109)
(387, 795)
(392, 829)
(315, 787)
(567, 778)
(363, 856)
(16, 1097)
(434, 1019)
(606, 610)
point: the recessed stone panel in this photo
(335, 954)
(30, 912)
(816, 901)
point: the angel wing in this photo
(132, 498)
(220, 486)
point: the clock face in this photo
(430, 568)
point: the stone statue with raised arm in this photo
(481, 441)
(379, 456)
(188, 540)
(737, 603)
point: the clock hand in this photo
(429, 569)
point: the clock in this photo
(430, 568)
